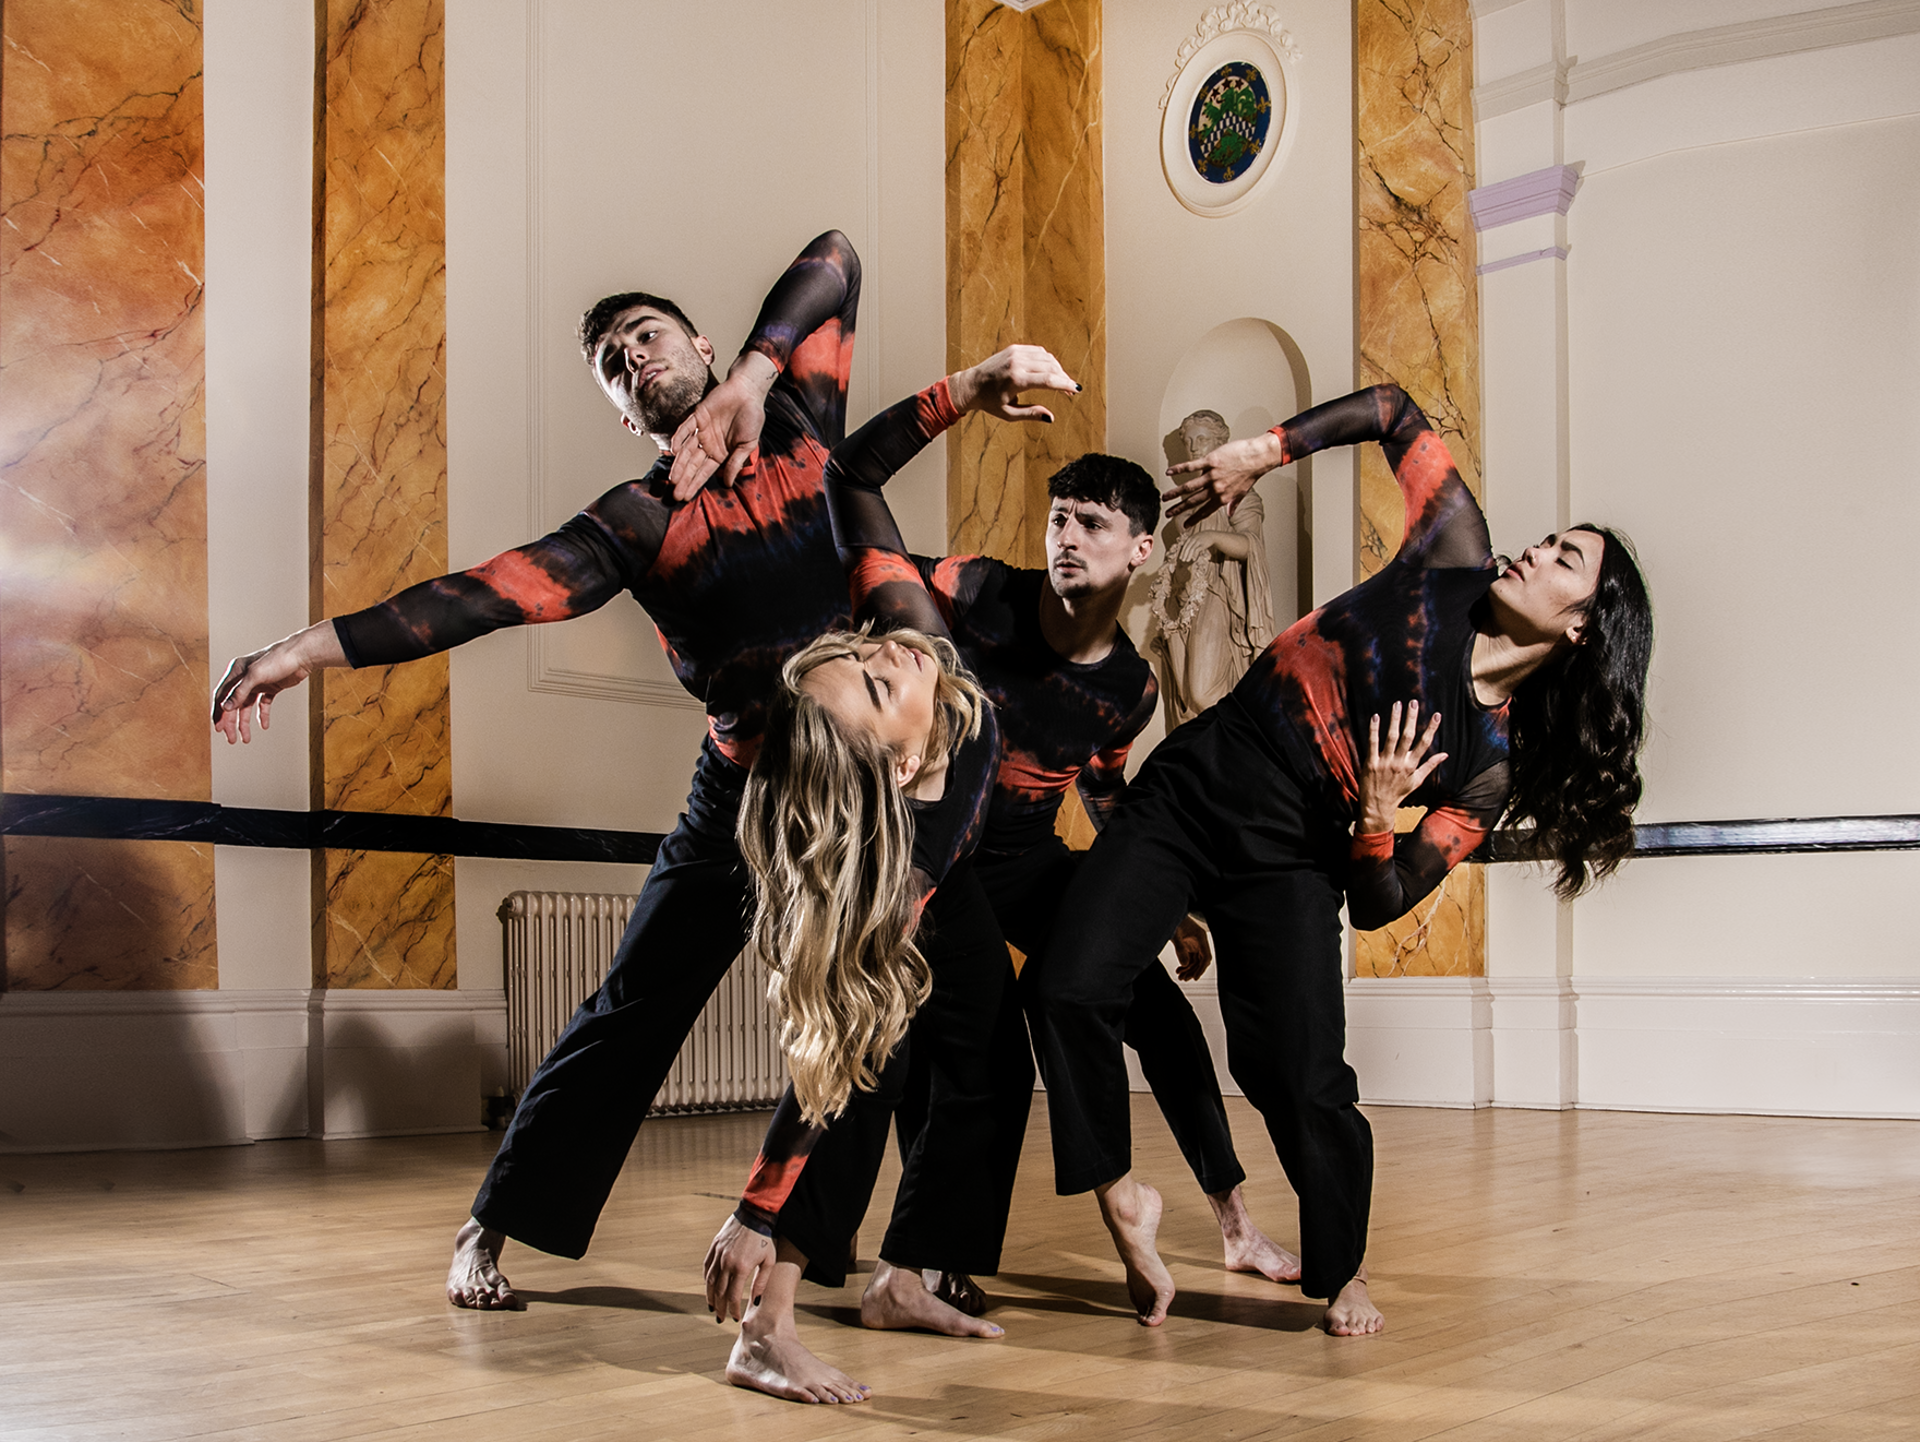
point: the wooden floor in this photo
(1575, 1275)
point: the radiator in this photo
(558, 948)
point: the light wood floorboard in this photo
(1581, 1275)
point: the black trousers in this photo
(1027, 893)
(956, 1187)
(576, 1123)
(1214, 821)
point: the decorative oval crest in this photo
(1229, 108)
(1228, 126)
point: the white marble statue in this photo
(1210, 610)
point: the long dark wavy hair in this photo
(1575, 728)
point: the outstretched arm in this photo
(887, 587)
(576, 569)
(1444, 525)
(805, 332)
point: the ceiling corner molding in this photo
(1521, 89)
(1734, 44)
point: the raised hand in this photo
(1221, 477)
(993, 386)
(736, 1264)
(1394, 774)
(253, 681)
(723, 429)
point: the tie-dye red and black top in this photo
(1061, 723)
(735, 580)
(1406, 633)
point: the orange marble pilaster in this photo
(103, 628)
(385, 920)
(1026, 251)
(1418, 324)
(381, 736)
(1026, 261)
(1066, 242)
(103, 525)
(94, 915)
(986, 300)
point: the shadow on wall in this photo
(377, 1069)
(83, 1071)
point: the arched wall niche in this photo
(1252, 372)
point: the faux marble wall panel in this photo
(1418, 324)
(380, 471)
(103, 526)
(385, 920)
(103, 628)
(1026, 251)
(92, 915)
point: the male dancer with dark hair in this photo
(1071, 693)
(735, 577)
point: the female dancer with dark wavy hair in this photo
(1264, 811)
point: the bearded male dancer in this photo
(736, 577)
(1071, 693)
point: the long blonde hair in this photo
(827, 832)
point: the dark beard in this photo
(660, 410)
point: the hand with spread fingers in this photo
(1394, 774)
(720, 434)
(1221, 477)
(993, 386)
(736, 1267)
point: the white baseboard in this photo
(99, 1070)
(1827, 1048)
(1753, 1046)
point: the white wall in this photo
(1724, 361)
(591, 150)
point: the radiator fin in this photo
(559, 945)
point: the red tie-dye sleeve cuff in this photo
(769, 1185)
(936, 410)
(1372, 846)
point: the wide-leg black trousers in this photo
(1214, 821)
(950, 1212)
(576, 1123)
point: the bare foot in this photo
(898, 1300)
(773, 1359)
(1248, 1249)
(475, 1279)
(1131, 1211)
(1352, 1313)
(957, 1290)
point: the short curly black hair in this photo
(1111, 481)
(600, 316)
